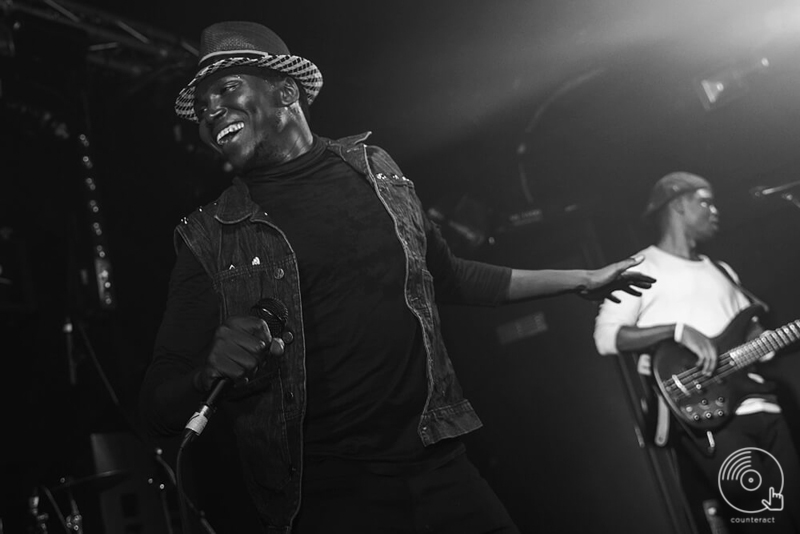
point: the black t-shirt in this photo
(365, 358)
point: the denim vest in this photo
(248, 257)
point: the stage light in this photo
(729, 83)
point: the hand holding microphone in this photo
(238, 349)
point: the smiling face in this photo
(247, 118)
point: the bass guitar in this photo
(706, 402)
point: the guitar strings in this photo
(727, 364)
(769, 341)
(766, 342)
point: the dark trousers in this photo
(452, 499)
(756, 473)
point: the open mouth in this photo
(227, 134)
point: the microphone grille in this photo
(274, 312)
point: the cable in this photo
(61, 519)
(182, 499)
(185, 503)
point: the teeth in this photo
(228, 130)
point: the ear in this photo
(288, 91)
(677, 204)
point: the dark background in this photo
(560, 114)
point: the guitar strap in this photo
(754, 299)
(706, 446)
(662, 422)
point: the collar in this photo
(235, 203)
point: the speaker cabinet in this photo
(131, 504)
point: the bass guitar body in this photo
(707, 402)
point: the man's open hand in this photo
(616, 277)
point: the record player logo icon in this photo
(751, 481)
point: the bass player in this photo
(694, 301)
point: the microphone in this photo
(762, 191)
(274, 313)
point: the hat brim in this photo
(656, 206)
(304, 71)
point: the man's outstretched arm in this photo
(598, 284)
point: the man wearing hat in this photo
(344, 402)
(695, 300)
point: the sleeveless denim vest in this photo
(248, 258)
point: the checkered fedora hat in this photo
(235, 43)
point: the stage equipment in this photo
(782, 191)
(59, 47)
(729, 83)
(113, 43)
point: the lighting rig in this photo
(58, 45)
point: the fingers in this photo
(627, 285)
(249, 333)
(604, 282)
(254, 326)
(634, 260)
(703, 347)
(705, 363)
(631, 291)
(709, 363)
(277, 347)
(619, 268)
(624, 265)
(638, 279)
(630, 283)
(708, 356)
(240, 344)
